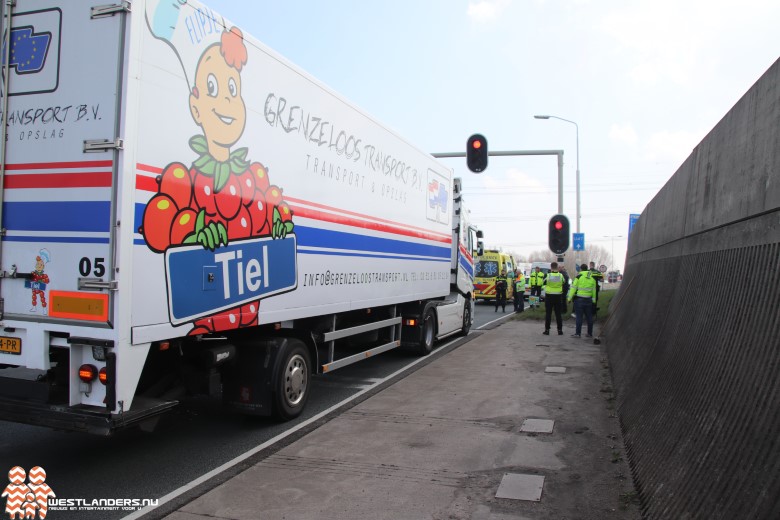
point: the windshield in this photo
(486, 269)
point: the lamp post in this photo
(578, 160)
(613, 237)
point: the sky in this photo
(644, 81)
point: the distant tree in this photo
(594, 253)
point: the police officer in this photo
(501, 291)
(566, 285)
(519, 291)
(553, 290)
(537, 280)
(583, 293)
(599, 277)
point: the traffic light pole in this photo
(513, 153)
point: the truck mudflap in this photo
(86, 419)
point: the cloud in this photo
(623, 134)
(668, 40)
(513, 179)
(672, 146)
(485, 11)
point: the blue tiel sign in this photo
(203, 282)
(578, 240)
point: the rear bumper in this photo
(86, 419)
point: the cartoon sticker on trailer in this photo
(39, 280)
(225, 230)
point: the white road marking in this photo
(219, 469)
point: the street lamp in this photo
(578, 161)
(613, 237)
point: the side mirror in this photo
(479, 233)
(480, 248)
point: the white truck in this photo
(183, 210)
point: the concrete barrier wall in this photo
(694, 332)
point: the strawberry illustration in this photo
(204, 193)
(240, 226)
(157, 221)
(228, 198)
(176, 182)
(259, 213)
(260, 176)
(183, 225)
(249, 313)
(246, 182)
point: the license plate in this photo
(10, 345)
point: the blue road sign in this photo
(632, 218)
(579, 241)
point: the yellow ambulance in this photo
(486, 268)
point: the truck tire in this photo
(292, 380)
(428, 335)
(466, 318)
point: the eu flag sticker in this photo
(34, 55)
(203, 282)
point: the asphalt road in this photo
(193, 440)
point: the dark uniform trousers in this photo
(553, 303)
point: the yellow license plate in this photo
(10, 345)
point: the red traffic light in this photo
(558, 234)
(477, 153)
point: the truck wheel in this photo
(293, 380)
(428, 333)
(466, 318)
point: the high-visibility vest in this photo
(537, 279)
(553, 283)
(584, 286)
(520, 284)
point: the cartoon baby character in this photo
(222, 197)
(39, 280)
(30, 506)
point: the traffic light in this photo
(477, 153)
(558, 234)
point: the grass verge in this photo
(538, 313)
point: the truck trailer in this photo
(185, 212)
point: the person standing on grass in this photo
(583, 294)
(553, 290)
(537, 280)
(519, 291)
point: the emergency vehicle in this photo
(185, 211)
(488, 266)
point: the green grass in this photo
(538, 313)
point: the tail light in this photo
(88, 373)
(103, 375)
